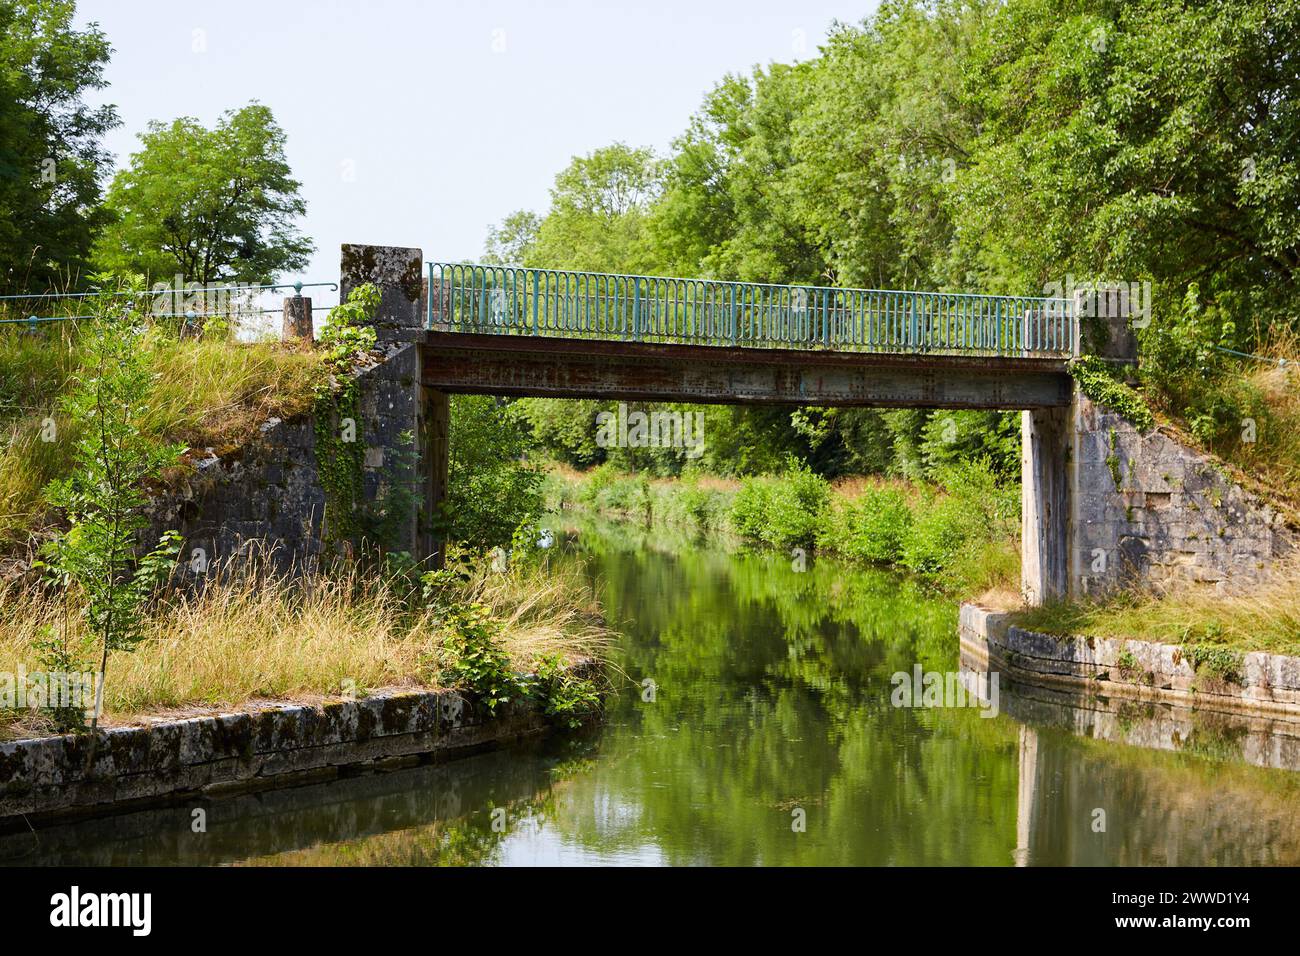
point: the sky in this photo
(422, 123)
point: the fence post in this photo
(296, 326)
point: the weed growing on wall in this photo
(1096, 378)
(340, 449)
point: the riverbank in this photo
(262, 746)
(1193, 675)
(961, 536)
(1264, 619)
(259, 681)
(246, 637)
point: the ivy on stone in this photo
(340, 448)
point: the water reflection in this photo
(770, 704)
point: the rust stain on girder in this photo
(522, 365)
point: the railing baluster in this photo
(513, 300)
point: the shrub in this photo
(597, 480)
(875, 526)
(566, 697)
(940, 529)
(475, 658)
(783, 511)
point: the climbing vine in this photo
(1097, 380)
(340, 450)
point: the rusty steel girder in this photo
(518, 365)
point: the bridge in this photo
(502, 330)
(516, 331)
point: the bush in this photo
(597, 480)
(705, 507)
(474, 657)
(876, 525)
(939, 530)
(784, 511)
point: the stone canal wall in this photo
(256, 748)
(267, 497)
(1148, 510)
(1255, 682)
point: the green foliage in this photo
(340, 444)
(782, 511)
(566, 697)
(104, 496)
(960, 535)
(492, 487)
(706, 508)
(940, 529)
(1218, 663)
(566, 429)
(208, 204)
(347, 332)
(597, 216)
(875, 526)
(511, 243)
(1097, 379)
(51, 160)
(475, 659)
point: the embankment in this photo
(256, 748)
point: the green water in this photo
(771, 705)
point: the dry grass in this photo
(245, 639)
(853, 486)
(1266, 618)
(210, 393)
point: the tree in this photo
(213, 205)
(598, 213)
(51, 160)
(105, 496)
(511, 243)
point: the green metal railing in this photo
(546, 302)
(154, 295)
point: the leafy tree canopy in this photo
(213, 205)
(51, 161)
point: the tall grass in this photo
(246, 637)
(1265, 618)
(210, 392)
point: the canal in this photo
(756, 723)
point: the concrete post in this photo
(296, 326)
(1045, 504)
(394, 408)
(1103, 324)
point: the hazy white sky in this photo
(421, 123)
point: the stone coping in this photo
(1269, 683)
(258, 748)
